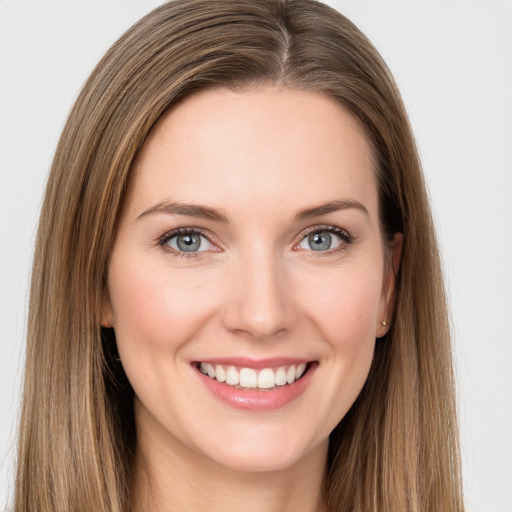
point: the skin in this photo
(258, 290)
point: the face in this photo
(247, 284)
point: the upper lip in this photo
(257, 364)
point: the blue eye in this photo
(323, 240)
(188, 241)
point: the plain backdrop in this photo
(453, 63)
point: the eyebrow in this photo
(187, 210)
(205, 212)
(332, 206)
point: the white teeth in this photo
(232, 377)
(220, 373)
(299, 371)
(281, 377)
(248, 378)
(266, 378)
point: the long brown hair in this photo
(397, 448)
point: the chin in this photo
(255, 454)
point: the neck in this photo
(171, 477)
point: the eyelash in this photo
(346, 237)
(164, 239)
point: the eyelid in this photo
(344, 234)
(162, 240)
(347, 238)
(325, 227)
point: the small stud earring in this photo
(384, 323)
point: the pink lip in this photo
(257, 400)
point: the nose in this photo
(259, 300)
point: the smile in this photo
(250, 378)
(250, 385)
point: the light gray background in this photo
(453, 62)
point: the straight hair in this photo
(397, 448)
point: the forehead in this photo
(235, 149)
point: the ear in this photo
(107, 315)
(392, 266)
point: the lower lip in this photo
(258, 400)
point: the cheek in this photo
(343, 308)
(346, 307)
(156, 308)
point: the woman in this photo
(237, 272)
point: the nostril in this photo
(251, 321)
(258, 303)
